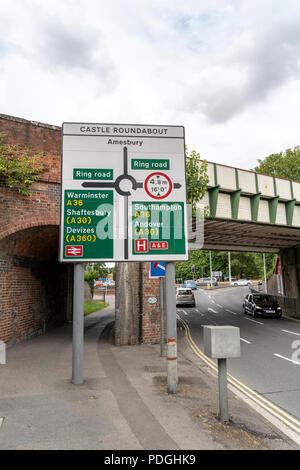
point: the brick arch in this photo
(27, 224)
(37, 288)
(38, 242)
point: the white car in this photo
(241, 282)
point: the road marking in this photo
(209, 296)
(245, 341)
(255, 321)
(211, 310)
(1, 422)
(287, 420)
(213, 301)
(184, 312)
(198, 311)
(287, 359)
(230, 311)
(221, 306)
(291, 332)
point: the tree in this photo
(196, 178)
(282, 165)
(243, 264)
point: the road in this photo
(267, 345)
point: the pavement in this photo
(123, 403)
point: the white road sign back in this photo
(123, 193)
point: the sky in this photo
(227, 70)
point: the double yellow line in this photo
(274, 410)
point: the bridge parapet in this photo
(238, 194)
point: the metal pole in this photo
(161, 284)
(210, 263)
(223, 397)
(78, 317)
(229, 266)
(172, 371)
(265, 273)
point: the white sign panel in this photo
(123, 193)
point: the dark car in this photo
(191, 284)
(262, 304)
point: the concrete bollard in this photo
(172, 365)
(222, 342)
(2, 352)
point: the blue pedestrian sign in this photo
(157, 269)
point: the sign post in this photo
(123, 199)
(78, 317)
(158, 270)
(172, 369)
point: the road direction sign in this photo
(157, 269)
(123, 193)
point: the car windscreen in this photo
(265, 299)
(184, 292)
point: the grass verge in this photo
(93, 306)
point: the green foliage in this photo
(18, 167)
(93, 271)
(90, 277)
(243, 265)
(282, 165)
(93, 306)
(196, 178)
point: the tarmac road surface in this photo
(267, 364)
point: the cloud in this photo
(246, 73)
(66, 48)
(8, 48)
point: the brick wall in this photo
(136, 319)
(42, 206)
(35, 288)
(151, 312)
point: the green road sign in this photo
(147, 164)
(158, 228)
(92, 174)
(88, 224)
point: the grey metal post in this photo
(161, 285)
(229, 266)
(265, 273)
(210, 264)
(223, 397)
(172, 371)
(78, 318)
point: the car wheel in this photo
(235, 284)
(244, 311)
(253, 313)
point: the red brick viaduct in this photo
(36, 290)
